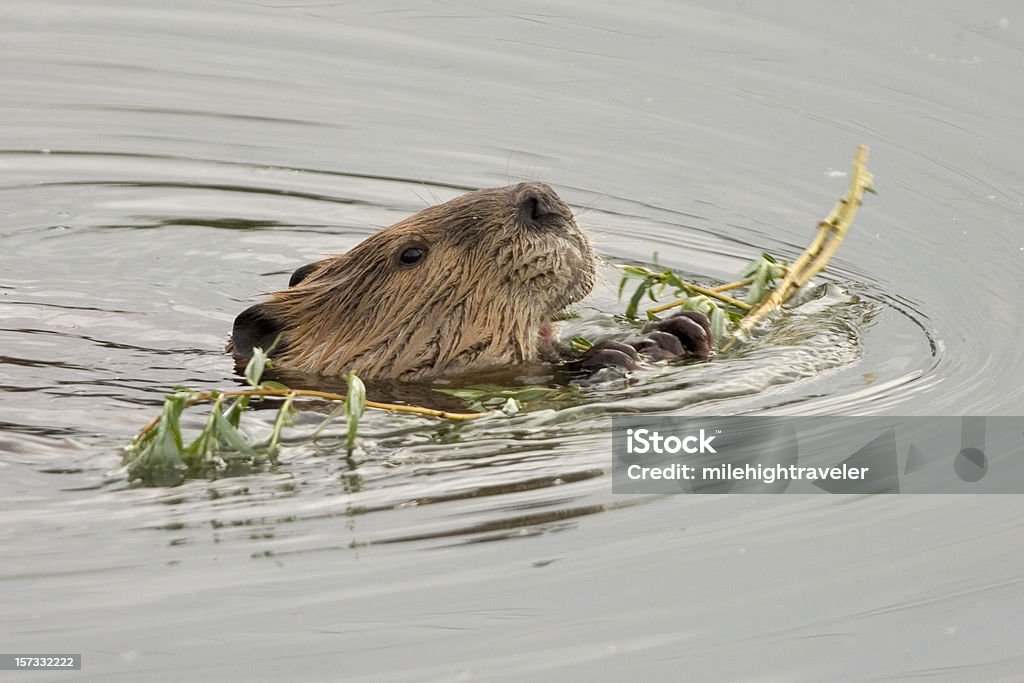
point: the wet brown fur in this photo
(499, 264)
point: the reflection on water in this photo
(159, 165)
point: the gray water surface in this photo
(163, 164)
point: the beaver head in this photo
(471, 283)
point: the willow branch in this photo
(831, 232)
(207, 396)
(697, 289)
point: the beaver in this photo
(469, 284)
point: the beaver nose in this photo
(538, 201)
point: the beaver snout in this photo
(538, 202)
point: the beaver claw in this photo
(686, 334)
(608, 354)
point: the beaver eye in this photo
(410, 256)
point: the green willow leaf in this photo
(227, 436)
(355, 406)
(234, 414)
(718, 324)
(255, 367)
(285, 417)
(634, 302)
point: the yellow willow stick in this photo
(831, 232)
(207, 396)
(741, 283)
(697, 289)
(733, 285)
(714, 293)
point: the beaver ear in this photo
(256, 326)
(303, 272)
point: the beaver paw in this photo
(608, 354)
(686, 334)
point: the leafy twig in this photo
(759, 278)
(831, 232)
(196, 398)
(158, 454)
(697, 289)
